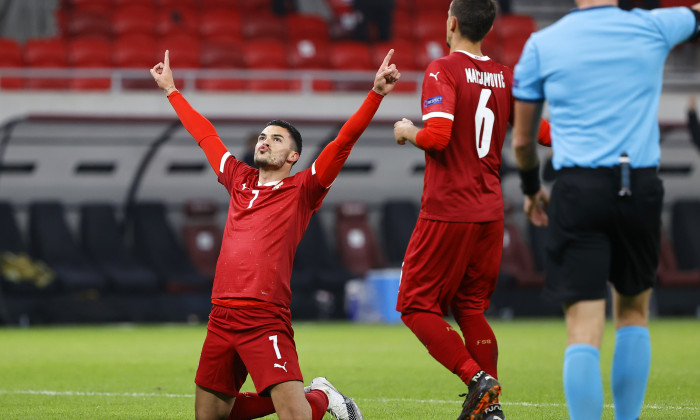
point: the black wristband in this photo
(530, 180)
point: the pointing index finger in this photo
(166, 60)
(387, 59)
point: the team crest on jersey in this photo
(432, 101)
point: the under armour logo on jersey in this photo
(243, 188)
(434, 75)
(277, 365)
(277, 186)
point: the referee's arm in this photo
(525, 129)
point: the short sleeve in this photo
(676, 24)
(231, 170)
(528, 84)
(438, 97)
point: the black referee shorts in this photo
(596, 236)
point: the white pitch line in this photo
(380, 400)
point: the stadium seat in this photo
(93, 6)
(177, 4)
(202, 235)
(668, 273)
(177, 21)
(120, 4)
(433, 6)
(221, 55)
(397, 222)
(402, 25)
(90, 53)
(51, 241)
(427, 51)
(261, 26)
(133, 20)
(46, 53)
(136, 52)
(430, 26)
(104, 244)
(81, 24)
(312, 27)
(219, 5)
(156, 244)
(10, 57)
(356, 242)
(254, 6)
(517, 260)
(221, 25)
(676, 3)
(310, 54)
(184, 51)
(317, 268)
(685, 227)
(347, 56)
(266, 54)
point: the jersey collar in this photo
(475, 57)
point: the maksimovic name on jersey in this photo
(485, 79)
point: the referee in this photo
(600, 69)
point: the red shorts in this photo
(450, 267)
(259, 341)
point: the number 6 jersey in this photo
(462, 182)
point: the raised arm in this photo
(199, 127)
(333, 156)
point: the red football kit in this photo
(264, 226)
(452, 260)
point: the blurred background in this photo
(109, 211)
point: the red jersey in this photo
(462, 182)
(266, 222)
(264, 226)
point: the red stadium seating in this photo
(177, 21)
(402, 26)
(432, 6)
(219, 4)
(357, 244)
(136, 52)
(307, 27)
(668, 273)
(103, 7)
(310, 54)
(431, 26)
(46, 53)
(202, 235)
(80, 24)
(10, 57)
(514, 26)
(254, 6)
(428, 51)
(120, 4)
(90, 53)
(349, 55)
(266, 54)
(676, 3)
(184, 50)
(263, 26)
(221, 55)
(507, 39)
(222, 25)
(517, 260)
(133, 20)
(177, 4)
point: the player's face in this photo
(274, 148)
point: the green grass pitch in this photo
(146, 372)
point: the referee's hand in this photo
(536, 207)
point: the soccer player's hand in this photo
(387, 76)
(163, 75)
(404, 131)
(536, 207)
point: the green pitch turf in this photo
(146, 372)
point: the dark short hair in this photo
(474, 17)
(296, 136)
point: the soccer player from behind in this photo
(249, 329)
(453, 258)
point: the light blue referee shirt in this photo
(601, 72)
